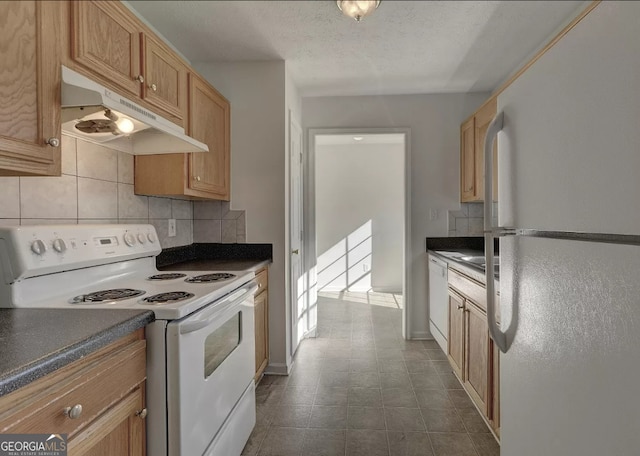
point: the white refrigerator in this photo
(568, 133)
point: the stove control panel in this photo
(29, 251)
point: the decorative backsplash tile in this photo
(469, 219)
(214, 221)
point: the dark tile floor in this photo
(359, 389)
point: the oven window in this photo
(220, 343)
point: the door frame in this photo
(309, 238)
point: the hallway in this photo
(359, 389)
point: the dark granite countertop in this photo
(215, 257)
(36, 342)
(216, 265)
(451, 249)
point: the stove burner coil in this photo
(170, 296)
(215, 277)
(116, 294)
(167, 276)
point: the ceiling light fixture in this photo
(357, 9)
(358, 138)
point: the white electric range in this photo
(200, 356)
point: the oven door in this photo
(210, 364)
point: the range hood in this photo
(96, 114)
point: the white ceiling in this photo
(403, 47)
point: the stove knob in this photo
(38, 247)
(59, 245)
(151, 238)
(129, 239)
(141, 238)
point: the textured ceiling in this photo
(403, 47)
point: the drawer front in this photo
(262, 278)
(468, 287)
(96, 387)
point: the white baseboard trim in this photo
(420, 335)
(394, 290)
(277, 369)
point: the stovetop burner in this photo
(215, 277)
(168, 297)
(115, 294)
(167, 276)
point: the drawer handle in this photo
(74, 412)
(259, 285)
(461, 307)
(142, 414)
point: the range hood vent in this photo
(93, 113)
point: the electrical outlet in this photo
(365, 267)
(172, 227)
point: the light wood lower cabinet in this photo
(109, 387)
(30, 83)
(262, 322)
(455, 345)
(476, 376)
(471, 352)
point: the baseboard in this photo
(393, 290)
(277, 369)
(420, 335)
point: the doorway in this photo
(357, 219)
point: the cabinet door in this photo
(483, 118)
(106, 41)
(455, 343)
(209, 122)
(495, 388)
(119, 431)
(165, 79)
(468, 166)
(476, 378)
(262, 332)
(29, 88)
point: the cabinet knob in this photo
(73, 412)
(53, 142)
(142, 414)
(296, 251)
(461, 307)
(196, 178)
(153, 87)
(140, 79)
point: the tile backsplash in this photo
(96, 186)
(468, 220)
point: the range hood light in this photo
(125, 125)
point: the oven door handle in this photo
(231, 300)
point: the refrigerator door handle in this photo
(490, 232)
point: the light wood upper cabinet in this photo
(110, 44)
(105, 39)
(202, 175)
(29, 88)
(468, 168)
(209, 122)
(165, 78)
(472, 136)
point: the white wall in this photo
(261, 95)
(434, 121)
(256, 91)
(359, 216)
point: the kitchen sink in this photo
(479, 260)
